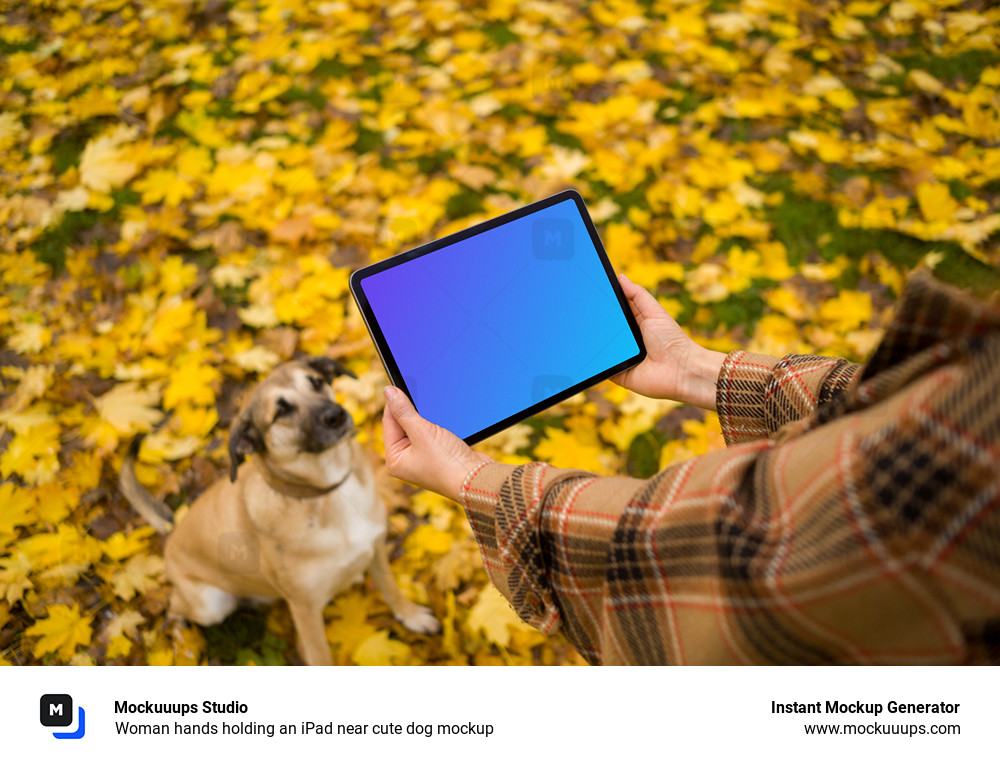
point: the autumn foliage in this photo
(185, 187)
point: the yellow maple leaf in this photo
(123, 411)
(162, 446)
(847, 311)
(259, 315)
(705, 283)
(493, 615)
(54, 502)
(85, 473)
(196, 421)
(427, 540)
(124, 624)
(119, 646)
(926, 82)
(105, 164)
(121, 545)
(29, 337)
(566, 450)
(35, 381)
(457, 565)
(66, 545)
(176, 275)
(172, 325)
(188, 645)
(162, 185)
(137, 576)
(15, 508)
(349, 626)
(19, 422)
(34, 454)
(256, 359)
(160, 657)
(192, 384)
(61, 631)
(380, 649)
(14, 580)
(936, 202)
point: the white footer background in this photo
(567, 715)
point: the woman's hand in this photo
(422, 453)
(675, 366)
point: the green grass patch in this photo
(331, 68)
(742, 309)
(310, 96)
(67, 147)
(968, 65)
(500, 34)
(464, 203)
(243, 638)
(50, 247)
(367, 141)
(25, 46)
(643, 457)
(801, 223)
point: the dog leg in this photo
(311, 632)
(415, 617)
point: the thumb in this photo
(401, 407)
(642, 300)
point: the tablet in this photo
(493, 324)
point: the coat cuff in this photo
(504, 503)
(739, 396)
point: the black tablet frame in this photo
(386, 353)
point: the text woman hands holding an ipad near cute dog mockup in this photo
(853, 518)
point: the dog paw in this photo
(420, 619)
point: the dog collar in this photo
(292, 489)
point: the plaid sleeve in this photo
(869, 533)
(504, 505)
(757, 394)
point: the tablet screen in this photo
(491, 326)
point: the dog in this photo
(300, 520)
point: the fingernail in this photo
(622, 276)
(390, 393)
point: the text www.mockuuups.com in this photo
(904, 729)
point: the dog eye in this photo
(283, 408)
(317, 383)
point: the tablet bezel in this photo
(385, 353)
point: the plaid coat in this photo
(853, 518)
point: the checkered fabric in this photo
(853, 518)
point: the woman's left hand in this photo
(422, 453)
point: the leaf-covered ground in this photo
(185, 187)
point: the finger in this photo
(622, 379)
(643, 301)
(402, 408)
(392, 433)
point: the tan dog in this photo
(300, 521)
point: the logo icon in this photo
(57, 710)
(239, 552)
(552, 239)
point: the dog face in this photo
(293, 421)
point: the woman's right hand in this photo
(675, 366)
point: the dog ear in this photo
(244, 438)
(327, 367)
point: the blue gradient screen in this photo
(492, 325)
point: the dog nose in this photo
(332, 417)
